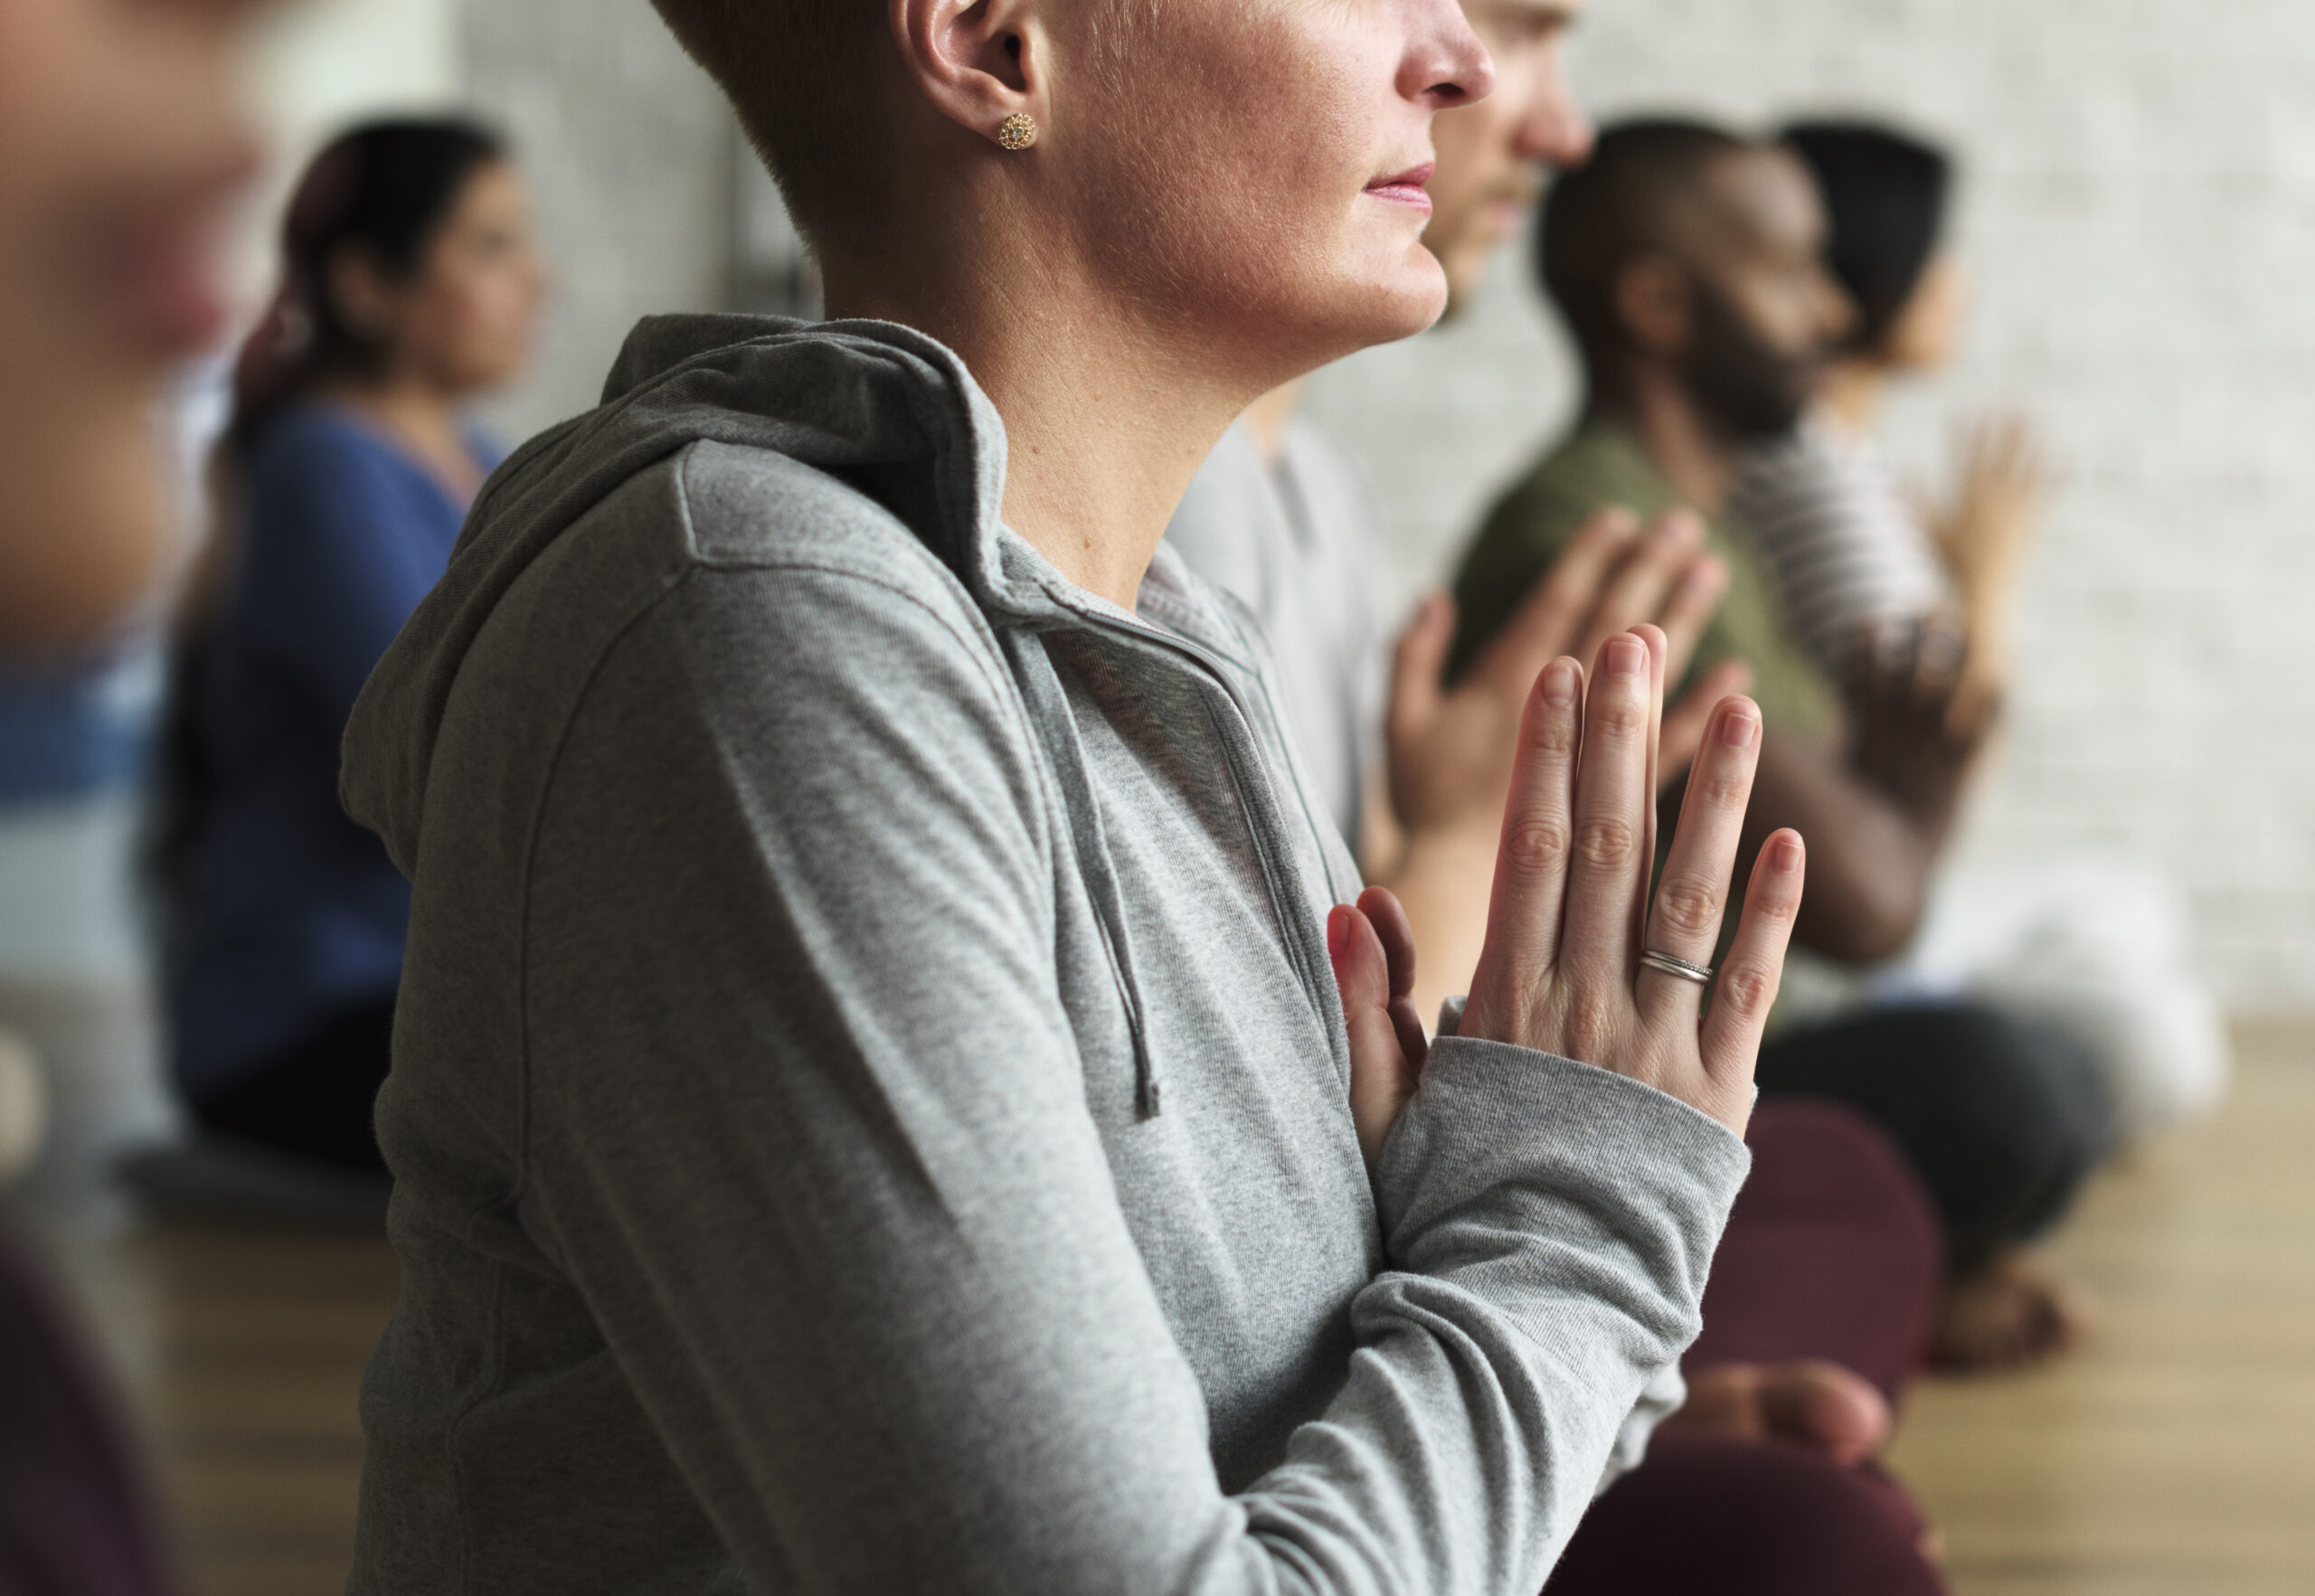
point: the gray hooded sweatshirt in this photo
(869, 1100)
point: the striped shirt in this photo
(1847, 550)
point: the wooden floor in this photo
(2175, 1459)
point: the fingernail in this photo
(1559, 682)
(1788, 854)
(1676, 530)
(1626, 657)
(1737, 730)
(1338, 930)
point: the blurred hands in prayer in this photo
(2006, 481)
(1918, 719)
(1450, 748)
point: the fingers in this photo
(1523, 919)
(1613, 801)
(1382, 1078)
(1657, 681)
(1911, 671)
(1550, 622)
(1746, 989)
(1640, 588)
(1416, 666)
(1690, 609)
(1397, 933)
(1685, 722)
(1939, 651)
(1692, 896)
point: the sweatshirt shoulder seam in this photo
(977, 639)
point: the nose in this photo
(1555, 131)
(1445, 64)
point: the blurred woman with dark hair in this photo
(409, 284)
(2090, 950)
(1856, 554)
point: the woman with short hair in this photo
(889, 1093)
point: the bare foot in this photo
(1819, 1404)
(2015, 1313)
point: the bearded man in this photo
(1689, 265)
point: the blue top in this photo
(76, 729)
(289, 914)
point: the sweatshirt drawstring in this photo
(1056, 728)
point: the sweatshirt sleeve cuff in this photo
(1506, 1136)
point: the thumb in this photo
(1825, 1406)
(1381, 1077)
(1419, 662)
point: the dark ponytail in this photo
(382, 189)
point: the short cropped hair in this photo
(798, 73)
(1885, 195)
(1617, 206)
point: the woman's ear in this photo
(363, 301)
(979, 63)
(1655, 303)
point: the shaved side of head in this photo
(800, 73)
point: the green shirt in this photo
(1601, 466)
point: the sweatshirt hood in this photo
(883, 408)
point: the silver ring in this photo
(1701, 974)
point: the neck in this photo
(1693, 456)
(1854, 390)
(1107, 418)
(1267, 417)
(419, 417)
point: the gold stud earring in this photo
(1017, 131)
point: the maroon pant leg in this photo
(1833, 1252)
(74, 1516)
(1710, 1516)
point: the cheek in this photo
(1246, 191)
(1466, 142)
(1785, 312)
(492, 308)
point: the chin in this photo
(1406, 299)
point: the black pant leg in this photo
(2002, 1118)
(317, 1100)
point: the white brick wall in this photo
(629, 148)
(2140, 213)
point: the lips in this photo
(1405, 188)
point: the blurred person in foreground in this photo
(1688, 263)
(2092, 945)
(410, 285)
(890, 1092)
(121, 139)
(1820, 1308)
